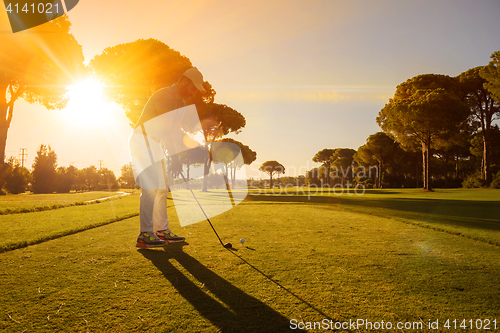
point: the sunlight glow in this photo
(86, 107)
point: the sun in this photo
(87, 107)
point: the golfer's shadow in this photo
(241, 313)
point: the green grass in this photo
(18, 230)
(303, 259)
(28, 202)
(472, 213)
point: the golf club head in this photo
(228, 246)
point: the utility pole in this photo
(100, 164)
(23, 155)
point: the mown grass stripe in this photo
(467, 213)
(21, 205)
(20, 230)
(22, 210)
(465, 232)
(21, 244)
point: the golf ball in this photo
(242, 241)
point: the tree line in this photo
(46, 177)
(437, 131)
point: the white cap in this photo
(196, 77)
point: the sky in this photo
(307, 75)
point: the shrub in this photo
(496, 181)
(473, 181)
(17, 178)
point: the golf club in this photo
(227, 245)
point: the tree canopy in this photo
(127, 179)
(325, 158)
(342, 160)
(379, 148)
(249, 156)
(38, 67)
(44, 170)
(491, 73)
(132, 72)
(426, 109)
(272, 168)
(483, 110)
(218, 120)
(17, 177)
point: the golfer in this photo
(154, 230)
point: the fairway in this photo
(388, 255)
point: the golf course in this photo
(311, 261)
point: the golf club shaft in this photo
(194, 196)
(166, 181)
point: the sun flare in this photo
(86, 106)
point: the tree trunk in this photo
(271, 180)
(416, 174)
(486, 155)
(327, 176)
(187, 173)
(6, 112)
(425, 163)
(426, 147)
(233, 175)
(379, 174)
(4, 128)
(206, 171)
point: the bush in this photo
(17, 178)
(496, 181)
(473, 181)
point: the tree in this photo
(217, 120)
(72, 174)
(325, 158)
(44, 170)
(107, 180)
(491, 73)
(272, 168)
(38, 67)
(17, 177)
(81, 180)
(62, 180)
(127, 179)
(365, 158)
(91, 177)
(193, 157)
(424, 109)
(483, 109)
(343, 159)
(450, 154)
(379, 148)
(248, 155)
(477, 147)
(132, 72)
(313, 177)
